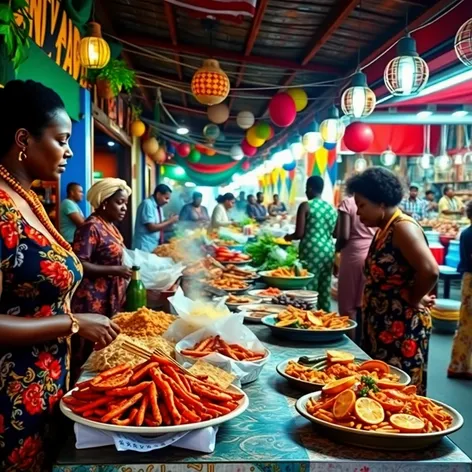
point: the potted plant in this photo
(114, 77)
(14, 29)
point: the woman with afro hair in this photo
(400, 272)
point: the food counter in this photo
(270, 436)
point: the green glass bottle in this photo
(136, 292)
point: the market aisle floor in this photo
(457, 393)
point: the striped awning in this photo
(231, 10)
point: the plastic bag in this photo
(157, 273)
(225, 233)
(232, 331)
(189, 320)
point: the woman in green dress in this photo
(316, 221)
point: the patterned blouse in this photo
(94, 242)
(39, 278)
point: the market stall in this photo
(269, 436)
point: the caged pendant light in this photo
(358, 100)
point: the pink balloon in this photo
(245, 165)
(248, 150)
(183, 149)
(358, 137)
(282, 110)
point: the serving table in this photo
(269, 437)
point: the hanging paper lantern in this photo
(245, 166)
(282, 110)
(332, 128)
(407, 73)
(312, 140)
(94, 51)
(218, 114)
(248, 150)
(160, 157)
(443, 162)
(137, 128)
(360, 164)
(150, 146)
(245, 119)
(211, 132)
(236, 152)
(358, 100)
(183, 149)
(210, 85)
(329, 146)
(425, 160)
(194, 156)
(263, 130)
(252, 139)
(299, 97)
(463, 43)
(290, 166)
(388, 158)
(296, 147)
(358, 137)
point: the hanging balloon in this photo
(299, 97)
(245, 166)
(358, 136)
(160, 156)
(252, 139)
(211, 132)
(150, 146)
(245, 119)
(200, 148)
(271, 134)
(263, 130)
(138, 128)
(183, 149)
(171, 148)
(329, 146)
(209, 151)
(282, 110)
(290, 166)
(248, 150)
(194, 156)
(218, 114)
(236, 152)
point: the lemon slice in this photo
(407, 423)
(369, 411)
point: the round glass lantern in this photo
(358, 100)
(94, 51)
(463, 43)
(332, 128)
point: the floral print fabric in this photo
(394, 331)
(461, 361)
(38, 279)
(94, 243)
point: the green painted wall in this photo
(40, 67)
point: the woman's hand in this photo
(97, 328)
(427, 302)
(121, 271)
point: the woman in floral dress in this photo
(316, 221)
(39, 273)
(400, 272)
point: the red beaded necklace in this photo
(36, 206)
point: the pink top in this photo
(358, 229)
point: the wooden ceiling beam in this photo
(169, 12)
(229, 55)
(104, 18)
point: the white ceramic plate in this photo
(254, 300)
(302, 294)
(257, 293)
(155, 431)
(377, 440)
(266, 307)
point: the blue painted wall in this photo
(79, 168)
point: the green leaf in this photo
(4, 29)
(18, 4)
(6, 14)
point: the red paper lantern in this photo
(245, 165)
(183, 149)
(358, 137)
(282, 110)
(248, 150)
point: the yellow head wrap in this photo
(104, 189)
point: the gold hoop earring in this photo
(22, 155)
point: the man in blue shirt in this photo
(70, 214)
(150, 222)
(255, 210)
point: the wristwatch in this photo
(74, 329)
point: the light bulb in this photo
(182, 130)
(179, 171)
(358, 101)
(360, 165)
(388, 158)
(406, 74)
(312, 141)
(425, 161)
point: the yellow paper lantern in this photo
(138, 128)
(253, 139)
(94, 50)
(299, 97)
(150, 146)
(210, 85)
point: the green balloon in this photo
(194, 156)
(263, 130)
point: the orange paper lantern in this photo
(210, 85)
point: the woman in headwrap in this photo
(99, 246)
